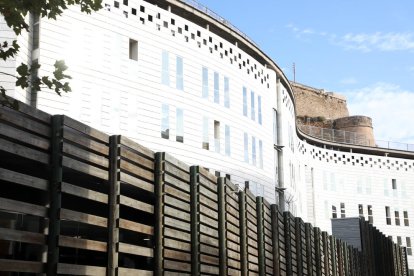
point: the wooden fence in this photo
(75, 201)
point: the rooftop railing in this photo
(214, 15)
(352, 138)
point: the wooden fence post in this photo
(222, 225)
(243, 238)
(159, 221)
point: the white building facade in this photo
(178, 79)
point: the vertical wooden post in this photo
(333, 254)
(288, 244)
(309, 246)
(114, 192)
(298, 234)
(159, 209)
(260, 235)
(222, 225)
(243, 238)
(275, 239)
(195, 221)
(55, 188)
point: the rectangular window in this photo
(216, 88)
(388, 215)
(226, 92)
(204, 92)
(408, 243)
(217, 136)
(36, 31)
(227, 140)
(394, 184)
(179, 137)
(244, 101)
(406, 222)
(361, 210)
(246, 147)
(133, 49)
(259, 109)
(179, 76)
(343, 210)
(397, 217)
(399, 241)
(275, 127)
(334, 211)
(254, 150)
(165, 121)
(165, 71)
(370, 216)
(253, 111)
(205, 144)
(261, 154)
(126, 2)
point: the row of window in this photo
(165, 71)
(252, 106)
(407, 244)
(360, 211)
(253, 151)
(397, 217)
(369, 209)
(165, 123)
(216, 79)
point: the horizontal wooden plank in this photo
(138, 171)
(15, 206)
(84, 168)
(136, 227)
(86, 156)
(177, 245)
(22, 236)
(85, 244)
(177, 255)
(23, 179)
(23, 151)
(132, 271)
(177, 193)
(129, 155)
(172, 212)
(183, 175)
(13, 117)
(209, 250)
(177, 234)
(208, 221)
(135, 250)
(182, 185)
(177, 163)
(177, 224)
(209, 269)
(212, 186)
(21, 266)
(84, 193)
(208, 193)
(85, 129)
(136, 204)
(66, 214)
(33, 113)
(179, 204)
(180, 266)
(74, 269)
(73, 136)
(136, 182)
(209, 259)
(207, 174)
(137, 147)
(24, 137)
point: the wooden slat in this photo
(84, 193)
(171, 180)
(134, 157)
(139, 183)
(177, 203)
(70, 134)
(136, 250)
(84, 168)
(83, 217)
(136, 227)
(85, 129)
(177, 255)
(137, 147)
(23, 151)
(20, 266)
(24, 137)
(15, 206)
(22, 236)
(85, 155)
(23, 179)
(177, 163)
(176, 172)
(180, 266)
(73, 269)
(82, 243)
(135, 170)
(136, 204)
(132, 271)
(14, 118)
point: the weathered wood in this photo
(85, 142)
(136, 204)
(82, 243)
(84, 168)
(138, 171)
(84, 193)
(137, 147)
(16, 119)
(176, 172)
(136, 227)
(22, 207)
(132, 156)
(195, 221)
(20, 266)
(131, 271)
(83, 217)
(73, 269)
(23, 151)
(22, 236)
(135, 250)
(134, 181)
(23, 179)
(85, 155)
(24, 137)
(85, 129)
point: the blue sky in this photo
(361, 49)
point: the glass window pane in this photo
(226, 92)
(217, 136)
(254, 150)
(246, 148)
(180, 125)
(165, 122)
(165, 71)
(179, 76)
(253, 111)
(205, 144)
(261, 154)
(227, 142)
(205, 83)
(259, 109)
(244, 101)
(216, 88)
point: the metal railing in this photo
(222, 20)
(352, 138)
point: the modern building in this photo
(176, 77)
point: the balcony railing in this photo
(352, 138)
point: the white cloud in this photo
(350, 80)
(389, 106)
(377, 41)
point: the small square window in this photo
(180, 30)
(141, 8)
(149, 18)
(192, 36)
(210, 39)
(125, 14)
(172, 21)
(158, 16)
(116, 4)
(142, 20)
(165, 24)
(134, 11)
(133, 49)
(186, 27)
(126, 2)
(198, 33)
(394, 184)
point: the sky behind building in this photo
(361, 49)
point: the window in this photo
(244, 101)
(126, 2)
(394, 184)
(334, 211)
(133, 49)
(254, 150)
(179, 77)
(370, 216)
(165, 77)
(36, 31)
(259, 109)
(204, 92)
(275, 127)
(399, 241)
(227, 140)
(179, 136)
(205, 143)
(397, 217)
(343, 210)
(141, 8)
(217, 136)
(408, 243)
(134, 11)
(165, 122)
(253, 111)
(246, 147)
(261, 154)
(226, 92)
(360, 210)
(388, 215)
(216, 88)
(406, 222)
(116, 4)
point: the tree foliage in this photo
(15, 14)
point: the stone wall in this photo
(313, 102)
(359, 124)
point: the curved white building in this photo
(176, 77)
